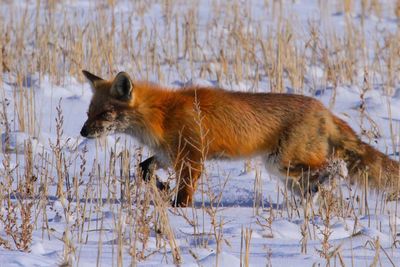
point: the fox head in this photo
(108, 110)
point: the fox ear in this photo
(93, 79)
(122, 86)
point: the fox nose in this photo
(84, 131)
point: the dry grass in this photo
(234, 49)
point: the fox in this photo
(293, 134)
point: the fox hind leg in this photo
(301, 179)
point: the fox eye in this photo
(107, 116)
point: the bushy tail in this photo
(365, 162)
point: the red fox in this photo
(295, 134)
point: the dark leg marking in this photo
(147, 168)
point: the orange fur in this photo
(293, 133)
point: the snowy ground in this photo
(276, 228)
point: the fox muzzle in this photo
(84, 131)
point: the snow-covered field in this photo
(346, 57)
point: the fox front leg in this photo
(147, 168)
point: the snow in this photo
(277, 243)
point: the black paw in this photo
(147, 167)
